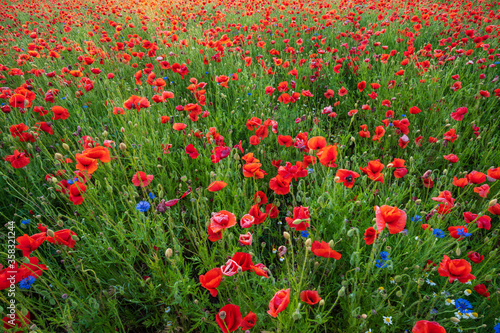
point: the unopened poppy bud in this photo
(458, 251)
(331, 243)
(123, 146)
(390, 165)
(308, 249)
(222, 315)
(486, 239)
(75, 238)
(65, 146)
(416, 267)
(54, 180)
(488, 278)
(286, 235)
(397, 278)
(492, 203)
(418, 201)
(399, 293)
(308, 242)
(296, 315)
(50, 233)
(336, 178)
(122, 130)
(316, 264)
(105, 133)
(195, 302)
(322, 302)
(168, 252)
(344, 283)
(341, 292)
(58, 156)
(455, 319)
(420, 282)
(60, 224)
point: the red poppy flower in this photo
(16, 322)
(494, 173)
(211, 280)
(29, 244)
(346, 177)
(322, 249)
(327, 156)
(457, 269)
(495, 209)
(459, 113)
(260, 198)
(393, 217)
(59, 113)
(272, 210)
(310, 297)
(141, 179)
(191, 151)
(221, 220)
(216, 186)
(451, 158)
(245, 239)
(460, 182)
(370, 235)
(373, 170)
(279, 302)
(248, 321)
(482, 190)
(476, 177)
(475, 257)
(424, 326)
(229, 318)
(285, 140)
(481, 290)
(300, 220)
(18, 160)
(316, 142)
(252, 170)
(259, 216)
(244, 260)
(63, 237)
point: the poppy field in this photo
(250, 166)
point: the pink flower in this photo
(141, 179)
(247, 221)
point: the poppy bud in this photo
(54, 180)
(74, 237)
(399, 293)
(397, 278)
(492, 203)
(336, 179)
(50, 233)
(286, 235)
(122, 130)
(60, 224)
(322, 302)
(58, 156)
(308, 242)
(455, 319)
(123, 146)
(341, 292)
(222, 315)
(364, 316)
(458, 251)
(168, 253)
(418, 201)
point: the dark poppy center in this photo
(349, 178)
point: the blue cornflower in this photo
(151, 195)
(165, 78)
(206, 72)
(434, 311)
(304, 233)
(384, 255)
(25, 221)
(27, 282)
(143, 206)
(390, 125)
(310, 170)
(438, 233)
(380, 264)
(461, 232)
(416, 218)
(463, 305)
(497, 326)
(403, 115)
(63, 97)
(249, 94)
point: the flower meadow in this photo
(250, 166)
